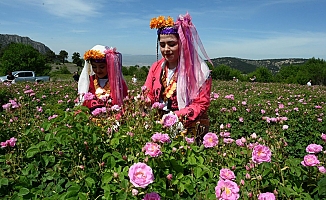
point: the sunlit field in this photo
(266, 141)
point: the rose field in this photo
(266, 141)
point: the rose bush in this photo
(53, 149)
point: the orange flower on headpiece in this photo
(93, 54)
(161, 22)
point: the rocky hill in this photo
(247, 66)
(6, 39)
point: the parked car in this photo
(21, 76)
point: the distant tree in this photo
(76, 59)
(50, 56)
(20, 56)
(133, 70)
(263, 74)
(221, 72)
(125, 71)
(63, 55)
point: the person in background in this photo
(102, 77)
(76, 76)
(134, 79)
(181, 79)
(235, 79)
(309, 83)
(253, 79)
(10, 77)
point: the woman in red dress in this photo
(101, 83)
(181, 79)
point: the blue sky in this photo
(250, 29)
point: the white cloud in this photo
(300, 45)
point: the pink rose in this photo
(228, 140)
(190, 140)
(322, 169)
(266, 196)
(88, 96)
(4, 144)
(169, 120)
(323, 137)
(169, 177)
(158, 105)
(152, 196)
(210, 140)
(239, 143)
(159, 137)
(261, 154)
(314, 148)
(227, 189)
(227, 174)
(152, 149)
(12, 142)
(141, 175)
(134, 192)
(310, 160)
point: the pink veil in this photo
(193, 71)
(114, 68)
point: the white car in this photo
(21, 76)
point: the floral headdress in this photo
(94, 55)
(163, 26)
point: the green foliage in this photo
(63, 152)
(262, 75)
(76, 59)
(313, 69)
(140, 72)
(50, 57)
(63, 55)
(23, 57)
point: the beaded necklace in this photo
(168, 89)
(101, 92)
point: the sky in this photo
(248, 29)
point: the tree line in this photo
(314, 69)
(17, 56)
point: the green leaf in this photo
(32, 151)
(23, 191)
(112, 162)
(107, 177)
(46, 126)
(3, 181)
(197, 172)
(82, 196)
(322, 186)
(106, 155)
(94, 138)
(89, 181)
(192, 160)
